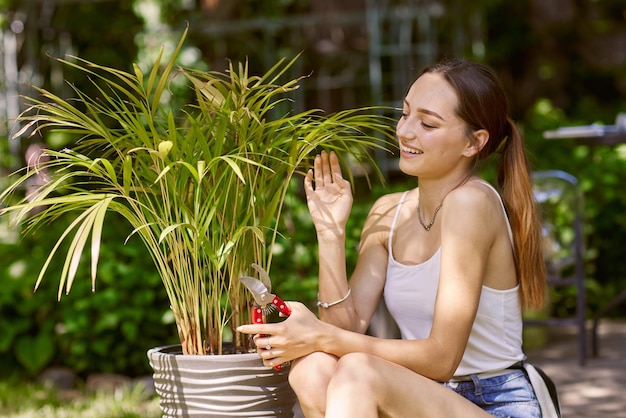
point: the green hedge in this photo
(108, 330)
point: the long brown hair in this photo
(483, 104)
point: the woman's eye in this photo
(426, 125)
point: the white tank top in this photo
(495, 341)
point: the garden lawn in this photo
(29, 400)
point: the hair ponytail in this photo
(515, 181)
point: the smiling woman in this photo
(454, 261)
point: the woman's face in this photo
(433, 140)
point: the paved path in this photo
(596, 390)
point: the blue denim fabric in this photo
(506, 396)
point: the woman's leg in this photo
(309, 378)
(368, 386)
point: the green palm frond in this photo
(202, 187)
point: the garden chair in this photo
(561, 204)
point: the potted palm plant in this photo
(203, 188)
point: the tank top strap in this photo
(395, 219)
(506, 215)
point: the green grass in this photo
(28, 400)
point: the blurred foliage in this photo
(600, 170)
(108, 330)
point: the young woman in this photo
(454, 261)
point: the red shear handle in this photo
(283, 309)
(257, 315)
(282, 306)
(259, 318)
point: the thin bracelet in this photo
(325, 305)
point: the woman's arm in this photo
(330, 199)
(469, 228)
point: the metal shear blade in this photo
(262, 295)
(265, 277)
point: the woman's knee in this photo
(316, 368)
(309, 377)
(358, 369)
(355, 388)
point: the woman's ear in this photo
(479, 140)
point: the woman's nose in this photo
(404, 129)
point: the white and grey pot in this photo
(230, 385)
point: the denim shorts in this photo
(507, 396)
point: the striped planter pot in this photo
(231, 385)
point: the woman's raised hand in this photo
(329, 196)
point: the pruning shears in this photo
(265, 302)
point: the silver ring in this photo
(268, 346)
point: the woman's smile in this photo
(409, 151)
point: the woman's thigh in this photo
(400, 392)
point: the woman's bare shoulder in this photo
(477, 204)
(475, 194)
(387, 203)
(382, 212)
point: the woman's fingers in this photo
(326, 168)
(318, 171)
(272, 357)
(269, 353)
(308, 182)
(335, 167)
